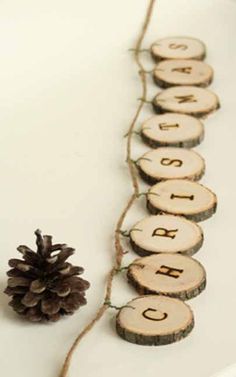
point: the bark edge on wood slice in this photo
(179, 47)
(171, 163)
(166, 234)
(172, 275)
(190, 100)
(154, 320)
(172, 129)
(180, 72)
(182, 197)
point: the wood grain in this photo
(178, 48)
(182, 72)
(172, 129)
(182, 197)
(154, 320)
(189, 100)
(171, 163)
(173, 275)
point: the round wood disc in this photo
(189, 100)
(174, 275)
(178, 48)
(182, 197)
(167, 163)
(172, 129)
(154, 320)
(182, 72)
(166, 234)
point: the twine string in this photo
(133, 132)
(119, 252)
(109, 304)
(144, 99)
(140, 50)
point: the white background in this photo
(68, 91)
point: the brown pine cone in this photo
(43, 285)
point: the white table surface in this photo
(68, 91)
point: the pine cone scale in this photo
(18, 281)
(17, 305)
(15, 291)
(37, 286)
(30, 299)
(50, 306)
(72, 302)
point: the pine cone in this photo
(43, 285)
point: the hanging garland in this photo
(166, 274)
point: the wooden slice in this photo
(166, 234)
(167, 163)
(172, 129)
(154, 320)
(178, 48)
(182, 197)
(189, 100)
(173, 275)
(182, 72)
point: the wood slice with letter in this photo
(166, 234)
(173, 275)
(178, 48)
(168, 163)
(172, 129)
(182, 72)
(189, 100)
(182, 197)
(154, 320)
